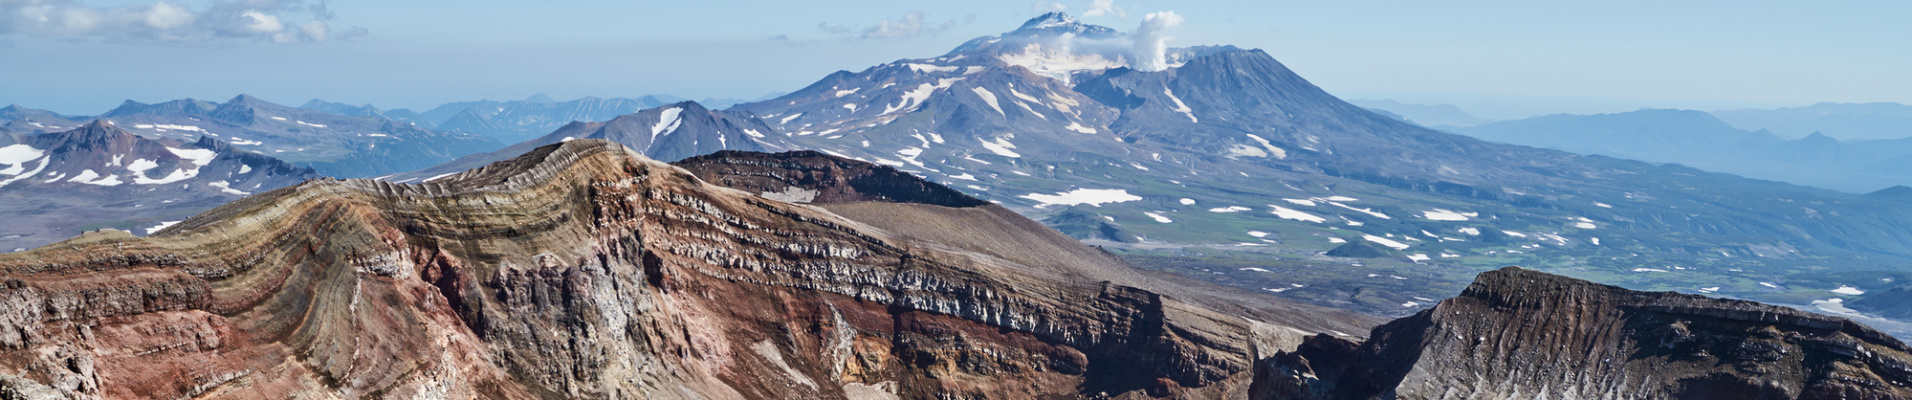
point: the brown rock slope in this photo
(583, 270)
(1517, 334)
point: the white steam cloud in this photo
(167, 22)
(1150, 51)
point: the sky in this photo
(1495, 59)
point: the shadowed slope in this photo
(1523, 334)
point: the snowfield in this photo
(1443, 215)
(1093, 197)
(1291, 214)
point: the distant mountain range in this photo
(1700, 140)
(1851, 121)
(668, 133)
(56, 185)
(515, 120)
(1439, 115)
(334, 144)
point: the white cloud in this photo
(910, 24)
(1098, 8)
(260, 22)
(167, 22)
(163, 15)
(315, 30)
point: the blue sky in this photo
(1499, 59)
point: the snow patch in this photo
(988, 98)
(1443, 215)
(1158, 217)
(1000, 147)
(1229, 209)
(1183, 108)
(1188, 201)
(1291, 214)
(1093, 197)
(1276, 151)
(226, 187)
(1848, 290)
(927, 68)
(199, 157)
(17, 156)
(140, 166)
(1385, 242)
(1082, 129)
(161, 226)
(667, 122)
(1367, 211)
(166, 127)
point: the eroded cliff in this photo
(1516, 333)
(582, 270)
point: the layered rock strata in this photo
(1523, 334)
(584, 270)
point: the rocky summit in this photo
(586, 270)
(1517, 333)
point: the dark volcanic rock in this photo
(1522, 334)
(1357, 249)
(820, 178)
(1079, 222)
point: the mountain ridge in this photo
(733, 295)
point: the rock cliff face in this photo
(1522, 334)
(584, 270)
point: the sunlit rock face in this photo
(585, 270)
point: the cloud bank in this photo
(167, 22)
(910, 24)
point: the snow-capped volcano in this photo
(1226, 146)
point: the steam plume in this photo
(1151, 47)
